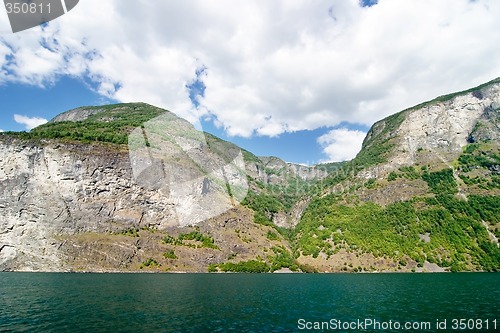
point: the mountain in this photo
(422, 194)
(132, 187)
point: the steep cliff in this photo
(436, 131)
(423, 193)
(132, 187)
(73, 195)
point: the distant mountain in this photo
(132, 187)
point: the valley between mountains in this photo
(132, 187)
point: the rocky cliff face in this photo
(77, 114)
(56, 189)
(422, 194)
(169, 177)
(132, 187)
(436, 131)
(446, 127)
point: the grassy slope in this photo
(341, 222)
(439, 227)
(112, 125)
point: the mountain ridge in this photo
(428, 179)
(409, 201)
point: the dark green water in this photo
(46, 302)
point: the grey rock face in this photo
(170, 175)
(272, 170)
(77, 114)
(50, 189)
(202, 182)
(439, 130)
(445, 127)
(56, 189)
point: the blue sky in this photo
(47, 102)
(299, 80)
(68, 93)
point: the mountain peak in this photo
(435, 131)
(423, 192)
(84, 112)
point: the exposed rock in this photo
(443, 128)
(436, 132)
(66, 205)
(77, 114)
(54, 189)
(274, 171)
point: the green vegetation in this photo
(457, 238)
(409, 172)
(441, 182)
(132, 232)
(250, 266)
(374, 154)
(151, 262)
(392, 176)
(199, 239)
(205, 241)
(483, 157)
(378, 142)
(249, 157)
(112, 125)
(371, 183)
(282, 258)
(437, 227)
(265, 206)
(270, 200)
(287, 195)
(478, 155)
(168, 239)
(377, 147)
(169, 255)
(272, 236)
(406, 172)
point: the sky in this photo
(301, 80)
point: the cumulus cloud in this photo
(341, 144)
(270, 66)
(29, 122)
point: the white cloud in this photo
(1, 130)
(341, 144)
(28, 122)
(271, 66)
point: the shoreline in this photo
(244, 273)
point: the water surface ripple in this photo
(64, 302)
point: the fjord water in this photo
(65, 302)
